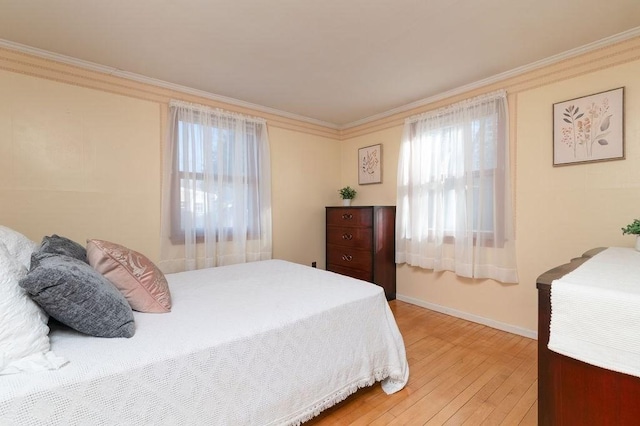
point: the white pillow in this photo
(24, 340)
(19, 246)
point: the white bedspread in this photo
(595, 311)
(261, 343)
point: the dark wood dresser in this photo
(361, 244)
(571, 392)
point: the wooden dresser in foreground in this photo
(361, 244)
(571, 392)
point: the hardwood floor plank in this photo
(506, 404)
(507, 361)
(531, 418)
(521, 408)
(460, 373)
(460, 398)
(433, 398)
(381, 421)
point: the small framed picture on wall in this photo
(588, 129)
(370, 164)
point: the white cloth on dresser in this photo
(595, 311)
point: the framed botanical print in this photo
(588, 129)
(370, 164)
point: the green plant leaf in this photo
(347, 193)
(632, 228)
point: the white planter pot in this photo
(638, 243)
(346, 202)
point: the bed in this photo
(261, 343)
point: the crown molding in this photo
(617, 38)
(608, 41)
(115, 72)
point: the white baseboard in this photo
(470, 317)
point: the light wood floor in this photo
(459, 373)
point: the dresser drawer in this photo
(350, 217)
(360, 238)
(353, 273)
(360, 243)
(349, 257)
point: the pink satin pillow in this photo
(138, 279)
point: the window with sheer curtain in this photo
(454, 191)
(219, 191)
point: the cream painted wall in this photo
(560, 212)
(85, 163)
(305, 178)
(373, 194)
(79, 162)
(563, 211)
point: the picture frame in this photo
(370, 164)
(589, 129)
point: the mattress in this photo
(261, 343)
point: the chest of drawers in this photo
(361, 244)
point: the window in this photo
(220, 185)
(457, 178)
(453, 189)
(214, 196)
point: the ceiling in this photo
(336, 62)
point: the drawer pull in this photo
(347, 257)
(347, 216)
(347, 236)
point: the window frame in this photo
(177, 232)
(495, 237)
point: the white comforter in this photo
(261, 343)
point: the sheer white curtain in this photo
(217, 187)
(454, 193)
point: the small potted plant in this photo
(347, 194)
(633, 229)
